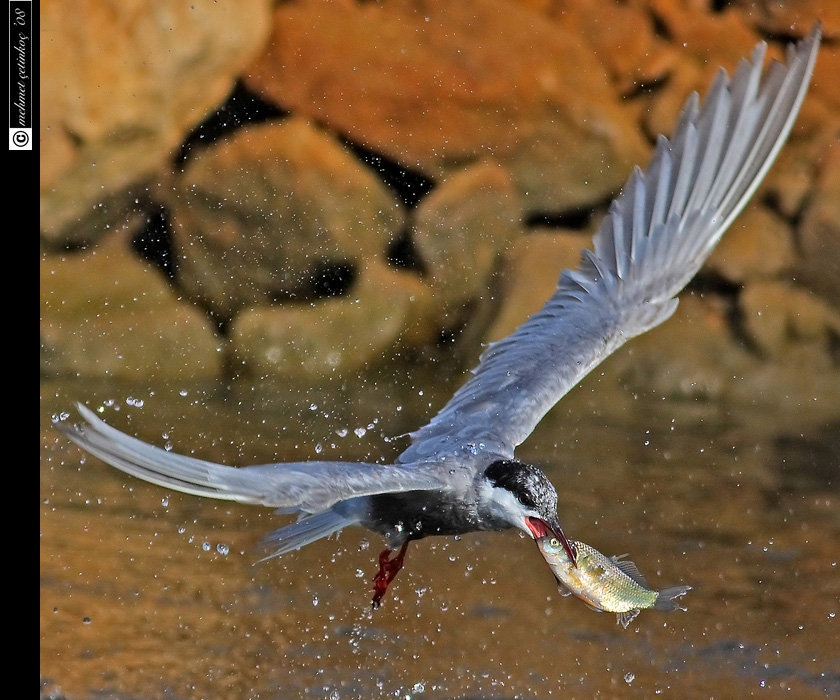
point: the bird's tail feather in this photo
(305, 531)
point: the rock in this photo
(462, 231)
(778, 315)
(121, 82)
(690, 356)
(387, 309)
(696, 357)
(666, 104)
(557, 94)
(534, 265)
(701, 34)
(819, 230)
(791, 179)
(106, 314)
(270, 213)
(802, 385)
(626, 42)
(784, 17)
(758, 245)
(824, 85)
(438, 85)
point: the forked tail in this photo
(667, 598)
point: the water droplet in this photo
(342, 432)
(222, 549)
(360, 432)
(86, 620)
(165, 501)
(629, 678)
(206, 546)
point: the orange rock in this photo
(104, 313)
(441, 84)
(266, 214)
(758, 245)
(819, 230)
(121, 83)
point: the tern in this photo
(459, 473)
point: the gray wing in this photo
(656, 236)
(302, 487)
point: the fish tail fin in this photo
(667, 598)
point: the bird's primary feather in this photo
(657, 234)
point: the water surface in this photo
(147, 593)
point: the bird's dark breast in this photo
(417, 514)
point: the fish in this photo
(606, 584)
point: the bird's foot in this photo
(388, 569)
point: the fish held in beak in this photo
(540, 528)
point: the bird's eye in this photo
(554, 542)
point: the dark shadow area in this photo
(402, 254)
(409, 185)
(153, 242)
(241, 108)
(574, 219)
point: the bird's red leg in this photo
(388, 569)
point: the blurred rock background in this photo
(309, 187)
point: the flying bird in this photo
(459, 473)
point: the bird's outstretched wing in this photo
(297, 487)
(657, 234)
